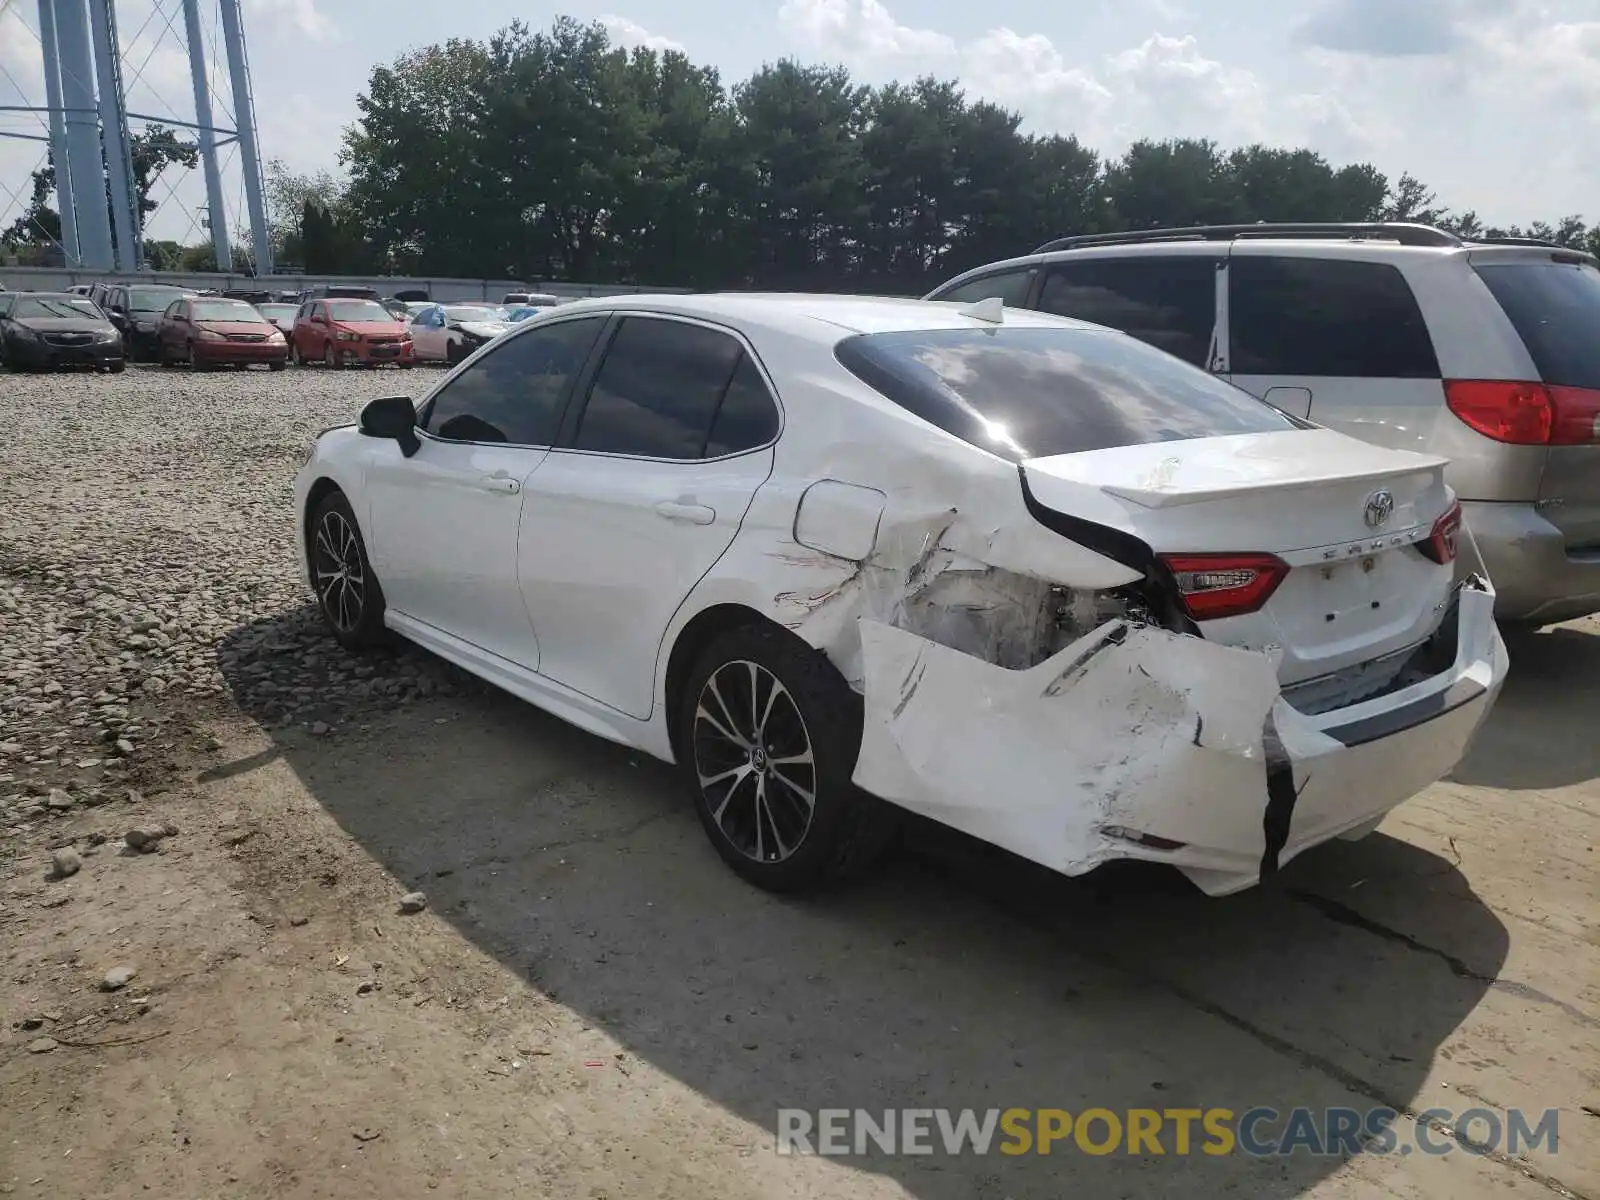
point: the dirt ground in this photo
(593, 1006)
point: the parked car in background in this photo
(349, 333)
(213, 331)
(1024, 575)
(44, 331)
(1485, 353)
(136, 309)
(450, 332)
(342, 291)
(522, 312)
(396, 308)
(530, 300)
(281, 315)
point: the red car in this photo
(349, 333)
(211, 331)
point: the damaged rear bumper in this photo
(1134, 742)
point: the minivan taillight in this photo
(1526, 414)
(1225, 585)
(1441, 543)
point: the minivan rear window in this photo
(1555, 309)
(1033, 392)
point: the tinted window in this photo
(1010, 286)
(515, 393)
(1320, 316)
(1171, 303)
(658, 389)
(1029, 393)
(1556, 311)
(747, 418)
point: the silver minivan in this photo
(1485, 353)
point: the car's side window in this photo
(1325, 316)
(747, 416)
(516, 392)
(658, 389)
(1010, 286)
(1167, 302)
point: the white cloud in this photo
(1163, 87)
(631, 35)
(851, 28)
(294, 18)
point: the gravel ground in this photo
(133, 601)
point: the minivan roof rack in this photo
(1541, 243)
(1405, 232)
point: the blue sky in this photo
(1494, 103)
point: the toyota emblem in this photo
(1380, 506)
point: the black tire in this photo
(328, 549)
(277, 366)
(454, 352)
(294, 354)
(117, 368)
(845, 829)
(329, 358)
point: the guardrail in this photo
(55, 279)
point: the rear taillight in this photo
(1225, 585)
(1441, 543)
(1526, 414)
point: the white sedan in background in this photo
(450, 332)
(842, 556)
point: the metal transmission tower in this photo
(88, 135)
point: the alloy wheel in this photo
(753, 759)
(340, 582)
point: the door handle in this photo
(501, 483)
(693, 514)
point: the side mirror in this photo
(392, 417)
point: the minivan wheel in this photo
(768, 734)
(348, 594)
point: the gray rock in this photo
(413, 902)
(65, 862)
(147, 838)
(42, 1045)
(117, 978)
(60, 799)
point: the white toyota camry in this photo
(1026, 576)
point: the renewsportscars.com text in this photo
(1259, 1132)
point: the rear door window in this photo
(1556, 311)
(1010, 286)
(1325, 317)
(1168, 302)
(1029, 393)
(658, 389)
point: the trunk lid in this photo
(1552, 299)
(1343, 516)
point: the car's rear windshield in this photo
(54, 306)
(226, 310)
(1555, 308)
(1030, 393)
(358, 310)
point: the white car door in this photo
(444, 522)
(427, 333)
(638, 501)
